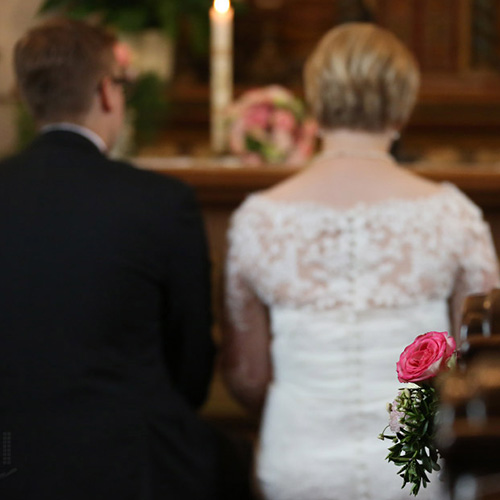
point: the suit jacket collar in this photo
(66, 138)
(78, 129)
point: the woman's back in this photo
(347, 289)
(394, 252)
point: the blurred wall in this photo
(15, 17)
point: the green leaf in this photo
(414, 450)
(79, 12)
(253, 144)
(167, 14)
(150, 107)
(272, 154)
(49, 5)
(427, 463)
(128, 19)
(199, 35)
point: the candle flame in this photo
(222, 6)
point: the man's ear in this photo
(104, 92)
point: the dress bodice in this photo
(394, 253)
(321, 352)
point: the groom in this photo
(105, 346)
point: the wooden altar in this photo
(221, 185)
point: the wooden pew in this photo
(469, 425)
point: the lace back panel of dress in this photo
(395, 253)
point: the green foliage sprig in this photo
(150, 106)
(137, 15)
(414, 449)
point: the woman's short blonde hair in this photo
(361, 76)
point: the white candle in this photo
(221, 70)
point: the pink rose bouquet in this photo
(413, 412)
(269, 125)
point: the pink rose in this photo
(427, 356)
(257, 116)
(282, 140)
(122, 54)
(237, 134)
(284, 120)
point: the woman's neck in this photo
(355, 142)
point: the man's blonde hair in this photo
(361, 76)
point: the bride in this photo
(331, 273)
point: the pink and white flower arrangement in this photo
(269, 125)
(413, 412)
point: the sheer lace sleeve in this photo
(246, 360)
(478, 270)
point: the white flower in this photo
(395, 415)
(395, 420)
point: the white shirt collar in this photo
(77, 129)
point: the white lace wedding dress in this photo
(347, 290)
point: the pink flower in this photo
(282, 141)
(122, 54)
(428, 355)
(237, 136)
(257, 116)
(252, 160)
(284, 120)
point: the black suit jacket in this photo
(105, 347)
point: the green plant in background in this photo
(138, 15)
(149, 107)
